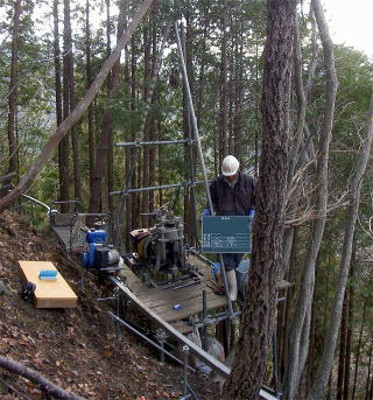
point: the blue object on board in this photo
(47, 275)
(206, 212)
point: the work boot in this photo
(232, 284)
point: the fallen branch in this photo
(34, 376)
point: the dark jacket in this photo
(236, 200)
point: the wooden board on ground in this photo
(48, 293)
(190, 298)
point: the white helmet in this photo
(230, 166)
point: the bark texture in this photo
(299, 330)
(258, 319)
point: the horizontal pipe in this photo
(132, 329)
(36, 201)
(216, 320)
(154, 142)
(176, 185)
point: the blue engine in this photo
(100, 256)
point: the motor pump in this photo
(99, 255)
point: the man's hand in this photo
(206, 212)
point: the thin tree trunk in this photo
(189, 200)
(110, 152)
(58, 93)
(351, 295)
(297, 353)
(201, 79)
(76, 114)
(69, 87)
(367, 384)
(342, 351)
(358, 349)
(13, 163)
(223, 93)
(91, 144)
(258, 319)
(295, 144)
(66, 86)
(144, 169)
(325, 366)
(297, 158)
(133, 159)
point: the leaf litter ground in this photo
(77, 349)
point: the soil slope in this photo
(76, 349)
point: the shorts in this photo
(232, 260)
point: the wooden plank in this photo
(161, 301)
(49, 293)
(204, 356)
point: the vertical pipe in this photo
(275, 362)
(185, 371)
(200, 154)
(193, 116)
(204, 315)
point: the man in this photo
(232, 193)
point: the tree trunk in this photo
(239, 99)
(342, 351)
(201, 79)
(13, 163)
(110, 152)
(91, 143)
(298, 353)
(69, 87)
(325, 366)
(190, 228)
(369, 372)
(58, 97)
(351, 295)
(223, 103)
(358, 349)
(257, 323)
(76, 114)
(144, 169)
(65, 177)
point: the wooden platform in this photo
(49, 293)
(161, 301)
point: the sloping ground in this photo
(75, 348)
